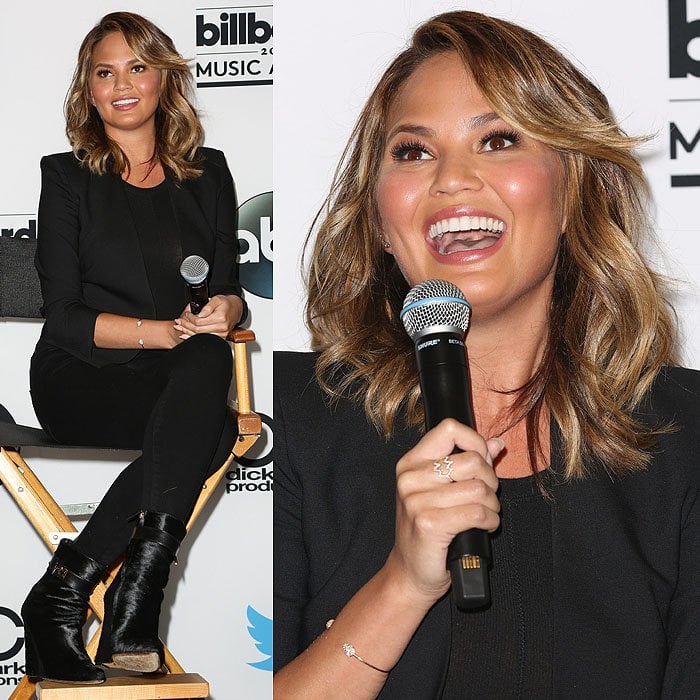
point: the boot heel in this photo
(33, 665)
(132, 604)
(54, 614)
(146, 662)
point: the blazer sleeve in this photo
(69, 321)
(682, 676)
(224, 276)
(290, 575)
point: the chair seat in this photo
(16, 435)
(170, 686)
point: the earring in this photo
(384, 241)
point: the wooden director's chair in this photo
(20, 298)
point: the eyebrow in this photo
(475, 122)
(111, 65)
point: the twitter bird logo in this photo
(260, 629)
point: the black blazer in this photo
(626, 551)
(88, 254)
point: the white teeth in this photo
(125, 101)
(465, 223)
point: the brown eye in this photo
(409, 152)
(413, 154)
(499, 141)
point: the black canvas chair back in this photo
(20, 294)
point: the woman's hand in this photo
(434, 504)
(219, 316)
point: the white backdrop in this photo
(331, 54)
(225, 567)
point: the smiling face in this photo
(465, 197)
(124, 90)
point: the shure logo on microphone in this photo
(16, 226)
(427, 344)
(234, 46)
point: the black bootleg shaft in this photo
(171, 404)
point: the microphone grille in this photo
(435, 306)
(194, 269)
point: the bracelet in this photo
(139, 323)
(349, 650)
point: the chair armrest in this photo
(249, 423)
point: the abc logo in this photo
(255, 244)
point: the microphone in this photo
(436, 315)
(194, 271)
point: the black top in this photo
(160, 241)
(505, 650)
(88, 254)
(625, 596)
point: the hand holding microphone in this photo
(436, 316)
(216, 315)
(194, 271)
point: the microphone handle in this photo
(444, 381)
(199, 296)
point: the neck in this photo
(504, 352)
(138, 145)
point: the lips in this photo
(125, 102)
(464, 233)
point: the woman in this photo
(121, 360)
(485, 158)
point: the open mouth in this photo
(125, 101)
(460, 233)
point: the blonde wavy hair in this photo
(179, 132)
(610, 328)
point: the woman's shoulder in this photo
(294, 372)
(66, 171)
(211, 157)
(673, 404)
(676, 391)
(215, 170)
(65, 161)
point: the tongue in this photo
(460, 241)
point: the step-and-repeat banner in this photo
(218, 607)
(646, 60)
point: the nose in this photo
(454, 173)
(123, 80)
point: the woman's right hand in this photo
(432, 509)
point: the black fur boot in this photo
(132, 604)
(54, 614)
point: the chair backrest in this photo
(20, 294)
(5, 415)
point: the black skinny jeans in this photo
(171, 404)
